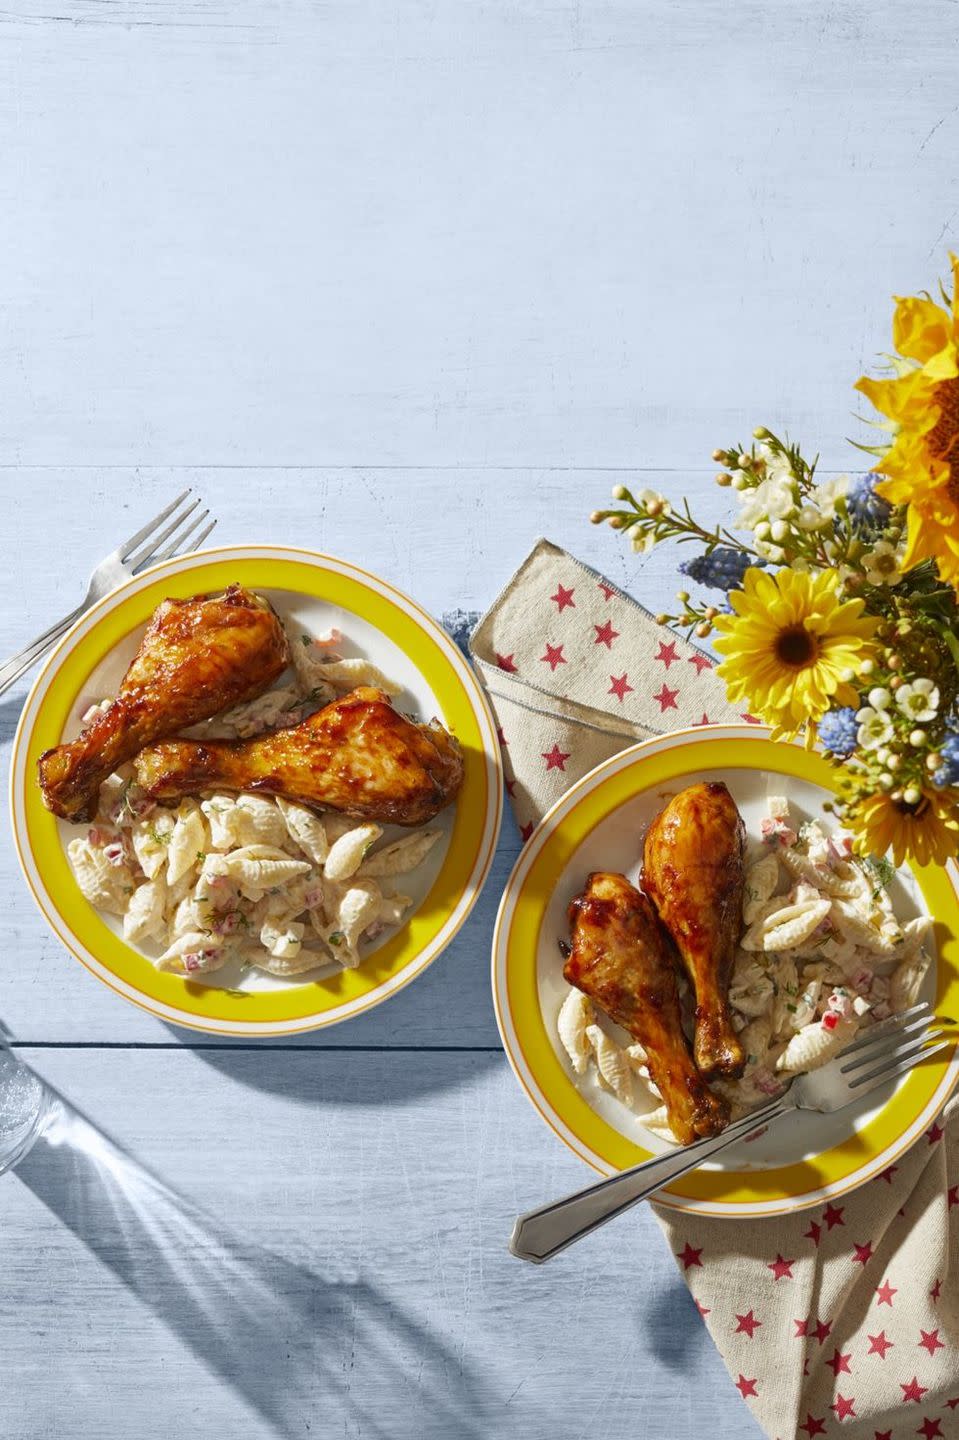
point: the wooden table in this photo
(413, 283)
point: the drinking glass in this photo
(25, 1106)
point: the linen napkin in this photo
(842, 1319)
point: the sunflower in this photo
(787, 644)
(922, 404)
(927, 831)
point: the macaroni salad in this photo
(821, 956)
(249, 877)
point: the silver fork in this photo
(172, 532)
(886, 1050)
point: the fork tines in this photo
(892, 1047)
(148, 546)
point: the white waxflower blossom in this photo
(809, 518)
(660, 504)
(777, 464)
(881, 564)
(828, 495)
(919, 700)
(771, 499)
(875, 728)
(640, 542)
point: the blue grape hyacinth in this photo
(867, 510)
(838, 730)
(948, 772)
(721, 569)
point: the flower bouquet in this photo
(838, 616)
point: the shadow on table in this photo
(296, 1346)
(10, 709)
(376, 1077)
(672, 1328)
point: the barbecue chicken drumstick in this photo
(198, 657)
(693, 873)
(356, 755)
(622, 959)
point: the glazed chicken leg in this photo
(693, 873)
(356, 755)
(622, 959)
(198, 657)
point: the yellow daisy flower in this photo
(922, 404)
(927, 831)
(787, 645)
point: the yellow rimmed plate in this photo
(378, 622)
(598, 825)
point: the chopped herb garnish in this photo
(200, 856)
(159, 837)
(319, 692)
(791, 1007)
(336, 937)
(883, 872)
(306, 639)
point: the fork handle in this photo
(543, 1233)
(30, 654)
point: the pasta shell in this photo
(355, 908)
(761, 880)
(257, 868)
(306, 829)
(218, 810)
(191, 916)
(612, 1063)
(906, 980)
(347, 674)
(290, 900)
(793, 924)
(282, 941)
(393, 908)
(193, 954)
(346, 853)
(851, 925)
(402, 856)
(657, 1123)
(752, 939)
(188, 842)
(144, 917)
(813, 1046)
(751, 988)
(576, 1012)
(285, 966)
(106, 886)
(256, 820)
(151, 837)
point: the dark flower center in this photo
(796, 647)
(943, 438)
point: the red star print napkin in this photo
(841, 1320)
(576, 670)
